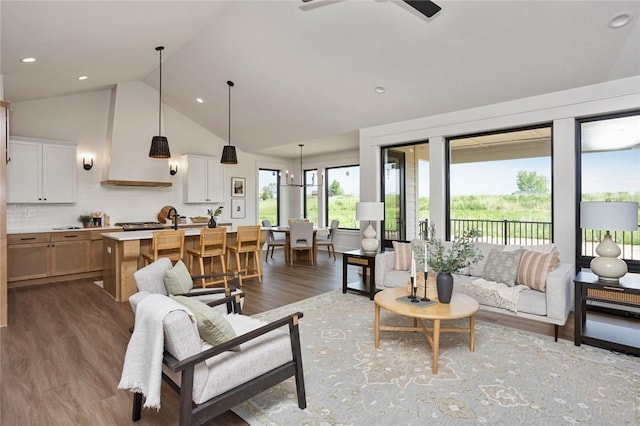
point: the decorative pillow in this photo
(402, 257)
(212, 326)
(177, 280)
(502, 266)
(534, 268)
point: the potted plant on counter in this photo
(85, 219)
(212, 216)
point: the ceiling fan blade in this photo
(426, 7)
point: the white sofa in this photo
(550, 306)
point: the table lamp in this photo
(608, 216)
(369, 211)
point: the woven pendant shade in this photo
(159, 144)
(159, 147)
(229, 155)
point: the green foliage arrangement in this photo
(215, 213)
(461, 254)
(85, 218)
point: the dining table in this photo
(287, 240)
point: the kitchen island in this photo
(122, 256)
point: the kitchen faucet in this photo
(175, 217)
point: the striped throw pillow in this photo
(534, 268)
(402, 258)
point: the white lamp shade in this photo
(609, 216)
(368, 210)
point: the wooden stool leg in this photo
(201, 263)
(238, 268)
(224, 270)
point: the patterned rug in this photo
(513, 377)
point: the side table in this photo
(368, 263)
(610, 332)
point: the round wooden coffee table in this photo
(461, 306)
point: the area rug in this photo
(513, 377)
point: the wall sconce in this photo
(87, 165)
(173, 169)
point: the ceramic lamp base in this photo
(369, 243)
(608, 267)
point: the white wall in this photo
(560, 108)
(83, 119)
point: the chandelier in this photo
(289, 179)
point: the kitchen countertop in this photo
(59, 229)
(147, 235)
(97, 228)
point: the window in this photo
(311, 189)
(609, 170)
(343, 192)
(406, 192)
(268, 205)
(500, 184)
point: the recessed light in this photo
(620, 20)
(83, 77)
(28, 60)
(379, 90)
(199, 100)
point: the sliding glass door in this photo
(405, 188)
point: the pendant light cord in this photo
(159, 49)
(230, 84)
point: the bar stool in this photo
(167, 243)
(247, 242)
(213, 244)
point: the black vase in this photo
(444, 284)
(212, 222)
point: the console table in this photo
(617, 333)
(368, 263)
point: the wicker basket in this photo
(199, 219)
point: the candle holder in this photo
(425, 298)
(414, 291)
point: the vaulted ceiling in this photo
(307, 72)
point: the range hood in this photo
(133, 121)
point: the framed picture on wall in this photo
(238, 186)
(238, 209)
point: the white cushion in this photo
(151, 277)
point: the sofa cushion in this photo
(540, 248)
(396, 279)
(402, 259)
(177, 280)
(476, 269)
(212, 326)
(532, 302)
(502, 266)
(534, 268)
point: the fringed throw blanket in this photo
(142, 370)
(493, 294)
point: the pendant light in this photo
(288, 178)
(159, 144)
(229, 151)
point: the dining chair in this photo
(167, 243)
(301, 239)
(213, 245)
(248, 243)
(272, 241)
(328, 241)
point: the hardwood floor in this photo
(62, 353)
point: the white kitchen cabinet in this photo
(203, 181)
(41, 172)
